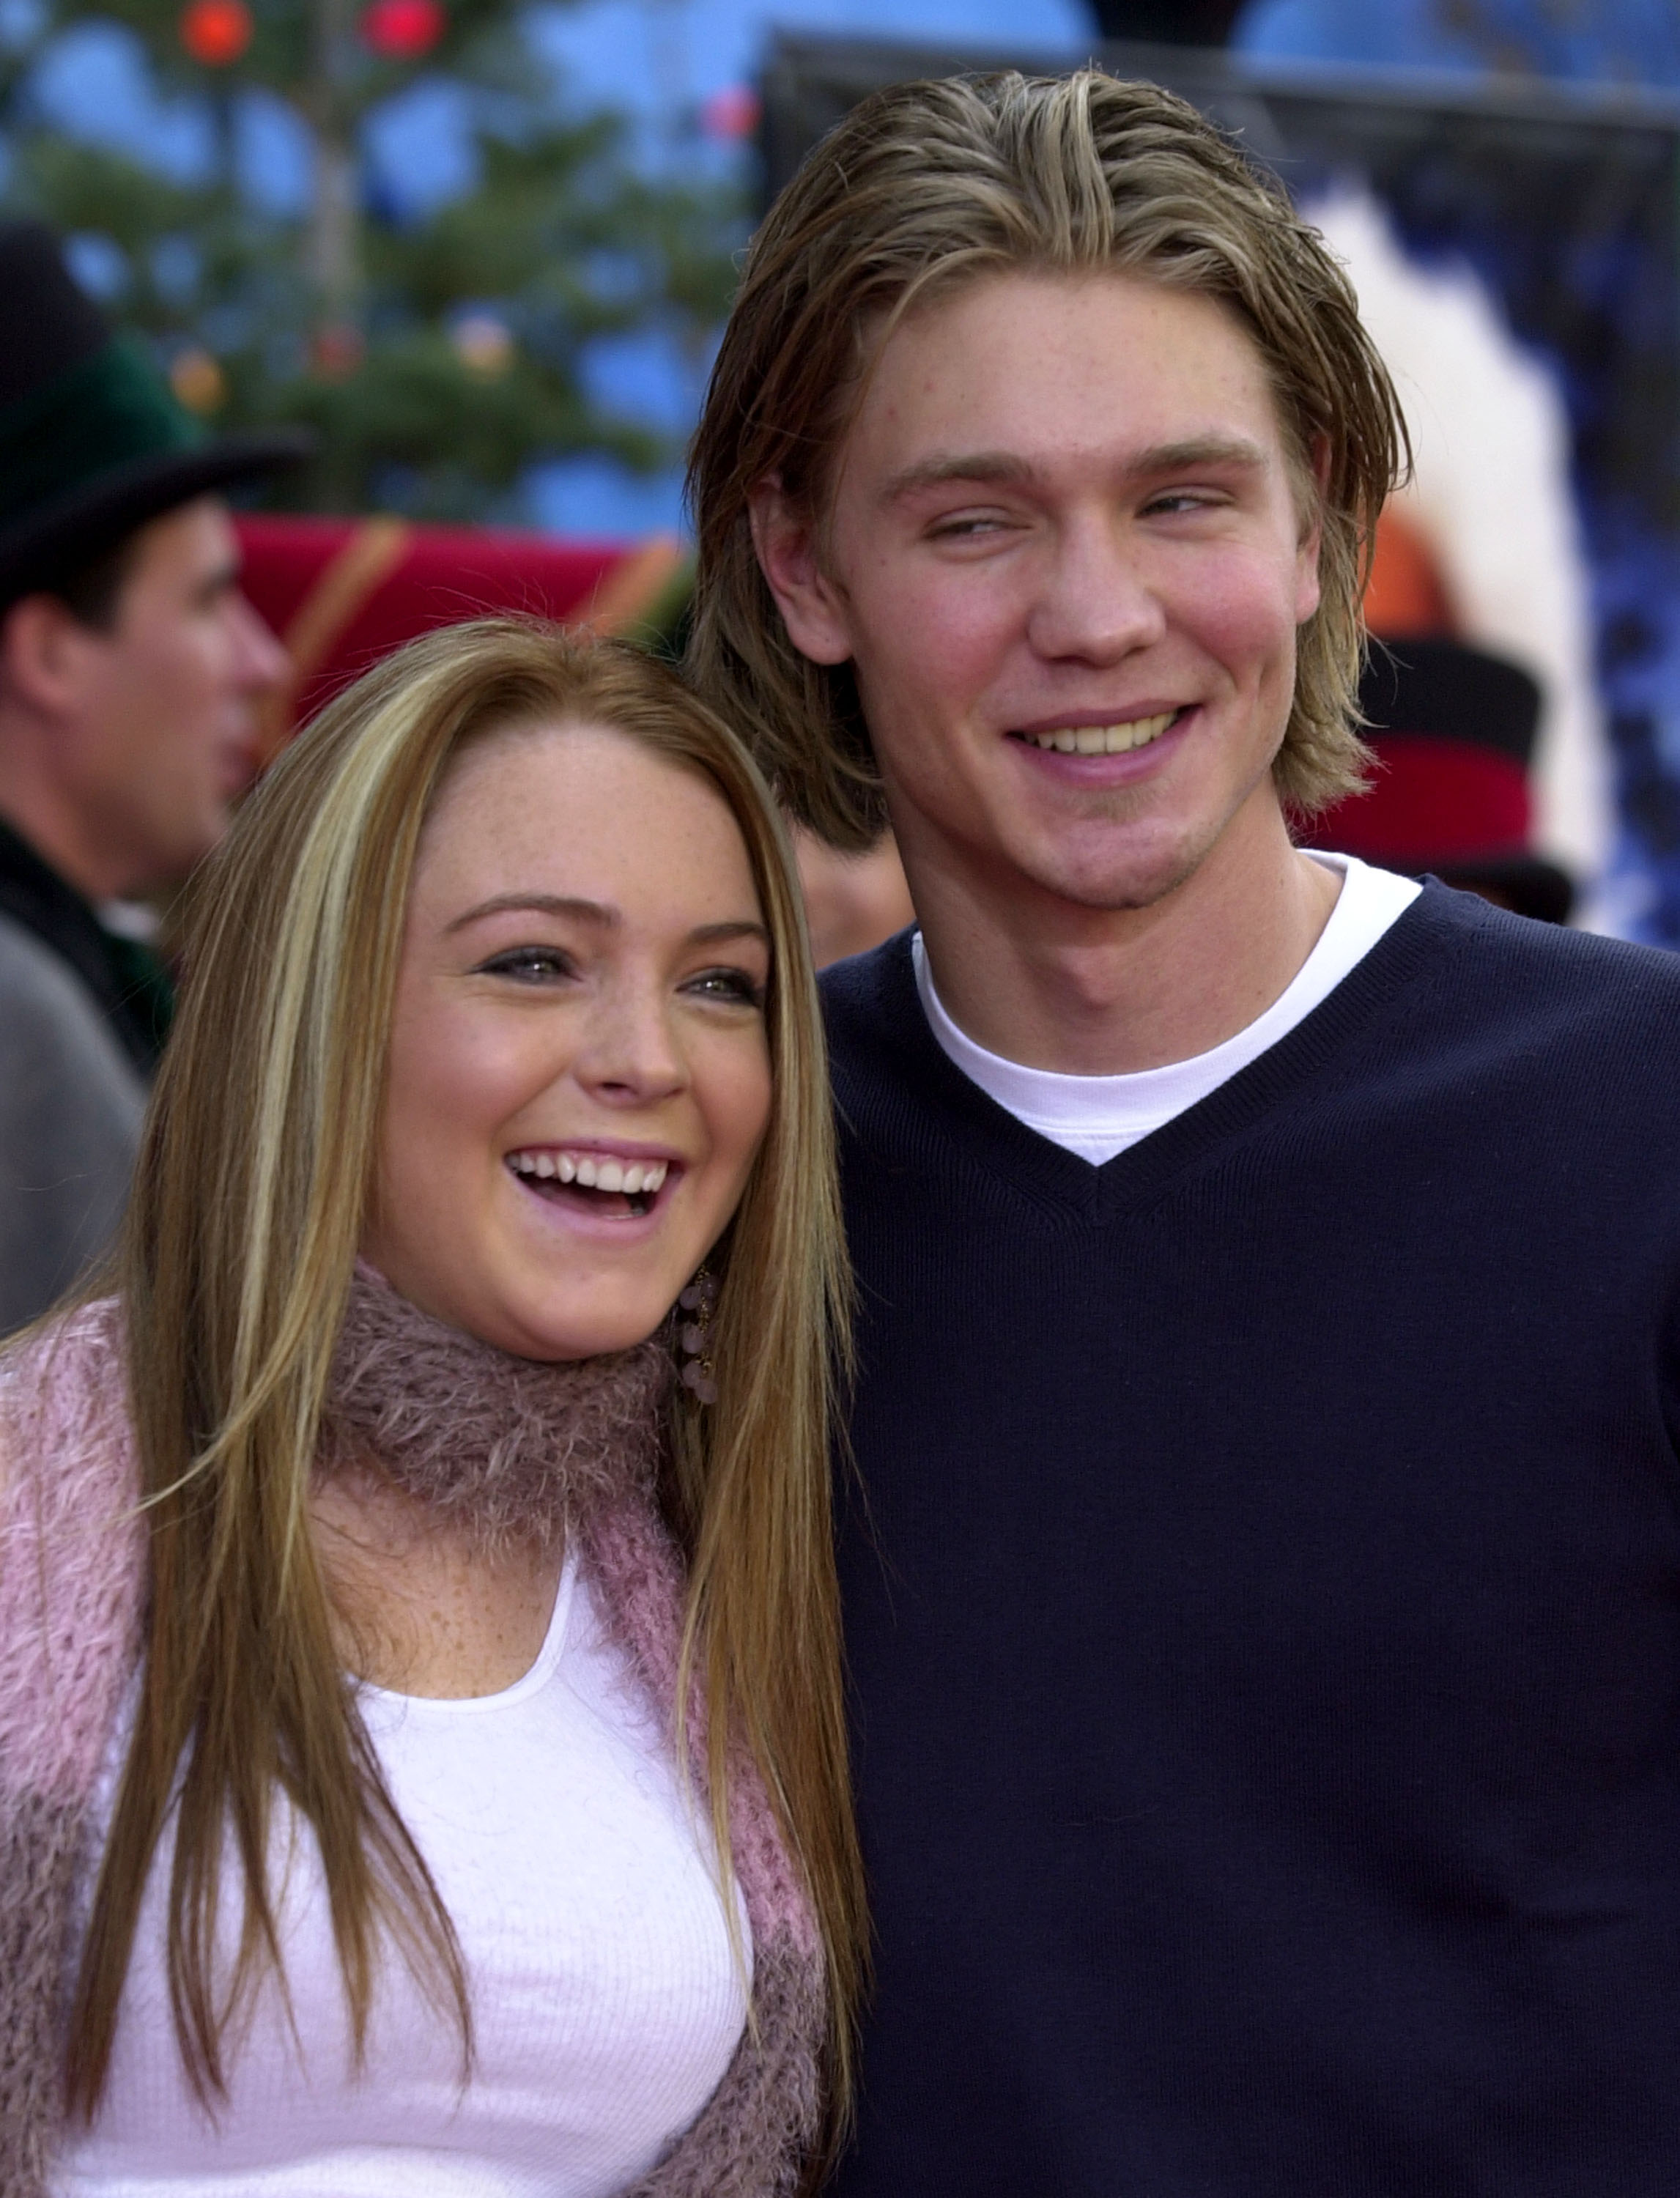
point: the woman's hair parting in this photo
(257, 1164)
(928, 187)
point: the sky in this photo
(632, 49)
(1636, 41)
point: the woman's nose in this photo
(629, 1055)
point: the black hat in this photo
(1453, 728)
(93, 443)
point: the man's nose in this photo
(1096, 603)
(262, 664)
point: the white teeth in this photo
(627, 1176)
(1104, 740)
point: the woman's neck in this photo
(418, 1606)
(449, 1471)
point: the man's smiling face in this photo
(1067, 557)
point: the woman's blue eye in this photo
(529, 965)
(735, 985)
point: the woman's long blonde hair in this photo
(252, 1181)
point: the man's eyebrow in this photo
(1220, 450)
(1000, 466)
(536, 903)
(1008, 468)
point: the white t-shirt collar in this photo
(1098, 1116)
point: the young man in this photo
(131, 671)
(1264, 1579)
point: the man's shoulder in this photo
(37, 982)
(1470, 947)
(1520, 981)
(867, 997)
(50, 1024)
(1477, 981)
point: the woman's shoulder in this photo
(64, 1398)
(71, 1541)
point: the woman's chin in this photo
(549, 1297)
(536, 1321)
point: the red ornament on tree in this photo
(402, 30)
(216, 31)
(733, 112)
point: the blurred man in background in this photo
(852, 902)
(132, 673)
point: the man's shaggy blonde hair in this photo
(928, 187)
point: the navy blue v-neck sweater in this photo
(1262, 1604)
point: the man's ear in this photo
(813, 608)
(43, 653)
(1308, 591)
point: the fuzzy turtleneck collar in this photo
(509, 1449)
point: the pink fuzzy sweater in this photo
(72, 1582)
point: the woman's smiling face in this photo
(579, 1072)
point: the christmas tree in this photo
(438, 353)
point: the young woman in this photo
(422, 1756)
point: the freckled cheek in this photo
(733, 1085)
(459, 1077)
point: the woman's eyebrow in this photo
(581, 912)
(596, 912)
(710, 934)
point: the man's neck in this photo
(1054, 985)
(43, 813)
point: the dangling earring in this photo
(698, 1301)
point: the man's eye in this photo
(736, 986)
(966, 527)
(1183, 499)
(529, 965)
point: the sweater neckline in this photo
(380, 1704)
(990, 1140)
(1116, 1110)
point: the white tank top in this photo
(606, 1998)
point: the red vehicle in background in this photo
(341, 593)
